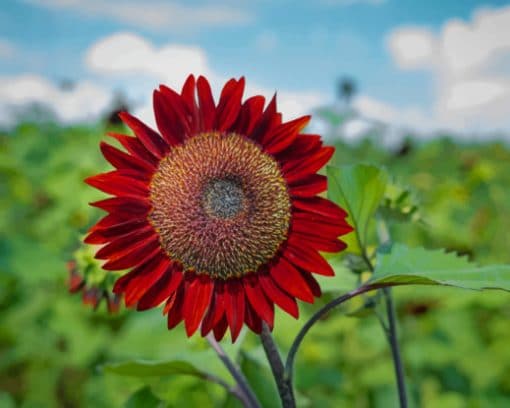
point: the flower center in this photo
(220, 205)
(223, 198)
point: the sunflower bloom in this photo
(218, 214)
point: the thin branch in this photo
(289, 364)
(384, 326)
(234, 390)
(284, 387)
(243, 389)
(395, 348)
(391, 331)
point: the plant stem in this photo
(244, 391)
(289, 364)
(395, 348)
(284, 386)
(391, 331)
(234, 390)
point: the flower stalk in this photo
(284, 386)
(243, 390)
(391, 328)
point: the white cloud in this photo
(412, 47)
(130, 54)
(156, 15)
(83, 101)
(137, 66)
(134, 57)
(469, 63)
(409, 117)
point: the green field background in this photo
(456, 344)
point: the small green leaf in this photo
(141, 368)
(358, 189)
(420, 266)
(143, 398)
(399, 204)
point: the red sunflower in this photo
(218, 214)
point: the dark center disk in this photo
(223, 198)
(220, 205)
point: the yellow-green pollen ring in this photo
(220, 205)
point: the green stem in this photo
(284, 386)
(289, 364)
(243, 389)
(391, 330)
(395, 348)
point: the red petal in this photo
(126, 205)
(196, 300)
(104, 235)
(234, 307)
(117, 183)
(126, 243)
(216, 310)
(147, 274)
(174, 307)
(279, 297)
(111, 220)
(284, 135)
(303, 146)
(312, 283)
(294, 170)
(206, 101)
(319, 228)
(120, 284)
(149, 138)
(135, 147)
(162, 289)
(136, 257)
(318, 243)
(252, 319)
(180, 119)
(307, 258)
(220, 328)
(321, 206)
(188, 92)
(309, 186)
(290, 280)
(229, 104)
(188, 96)
(250, 113)
(122, 160)
(258, 300)
(165, 118)
(270, 119)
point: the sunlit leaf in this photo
(358, 189)
(404, 265)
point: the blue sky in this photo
(292, 45)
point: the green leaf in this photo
(141, 368)
(420, 266)
(358, 189)
(143, 398)
(260, 378)
(399, 204)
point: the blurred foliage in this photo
(53, 350)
